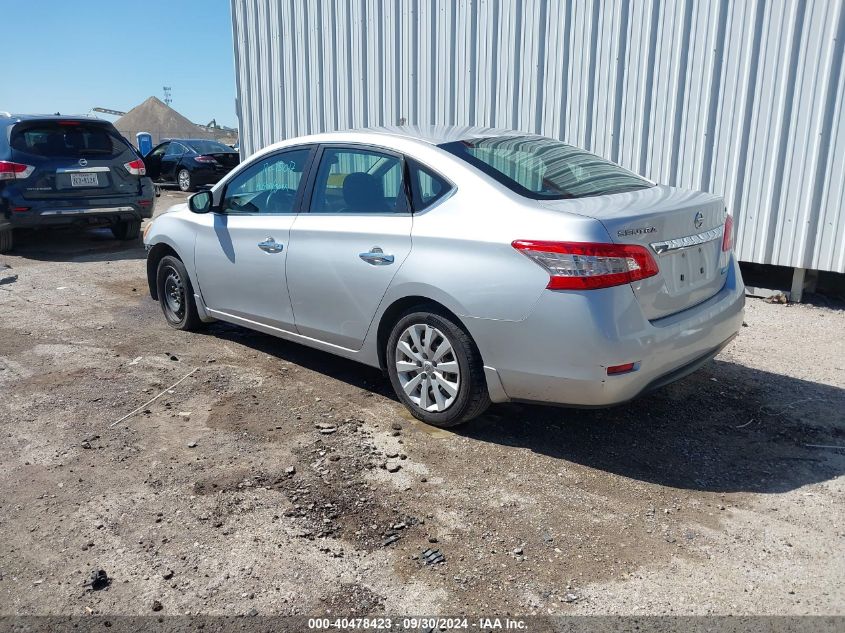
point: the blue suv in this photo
(61, 170)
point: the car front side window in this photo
(159, 151)
(268, 186)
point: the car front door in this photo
(346, 249)
(241, 248)
(152, 161)
(170, 161)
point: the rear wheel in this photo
(436, 369)
(7, 240)
(176, 295)
(126, 230)
(183, 179)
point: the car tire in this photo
(126, 230)
(423, 339)
(184, 180)
(7, 240)
(176, 294)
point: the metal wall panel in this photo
(740, 97)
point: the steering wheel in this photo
(267, 201)
(280, 200)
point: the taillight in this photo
(11, 171)
(136, 167)
(588, 265)
(727, 240)
(205, 159)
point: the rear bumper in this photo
(209, 176)
(58, 213)
(560, 353)
(60, 216)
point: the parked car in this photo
(190, 163)
(472, 265)
(59, 170)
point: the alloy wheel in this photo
(427, 367)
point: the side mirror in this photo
(200, 202)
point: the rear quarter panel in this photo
(462, 248)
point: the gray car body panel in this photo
(536, 344)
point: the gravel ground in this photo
(281, 480)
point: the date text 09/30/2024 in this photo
(417, 623)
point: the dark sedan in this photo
(190, 163)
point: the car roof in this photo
(439, 134)
(10, 119)
(427, 135)
(192, 140)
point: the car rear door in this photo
(346, 249)
(241, 249)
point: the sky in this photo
(70, 56)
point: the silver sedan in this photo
(473, 265)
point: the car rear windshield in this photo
(543, 168)
(67, 139)
(209, 147)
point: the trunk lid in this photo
(681, 229)
(73, 159)
(227, 159)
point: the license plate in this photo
(84, 180)
(690, 268)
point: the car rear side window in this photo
(268, 186)
(427, 187)
(359, 181)
(67, 139)
(544, 168)
(210, 147)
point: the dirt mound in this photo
(160, 120)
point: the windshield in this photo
(545, 169)
(209, 147)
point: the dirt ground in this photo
(231, 494)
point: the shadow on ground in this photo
(726, 428)
(71, 244)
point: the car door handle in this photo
(270, 246)
(376, 257)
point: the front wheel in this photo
(183, 178)
(176, 295)
(436, 369)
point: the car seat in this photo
(363, 193)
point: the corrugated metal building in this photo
(740, 97)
